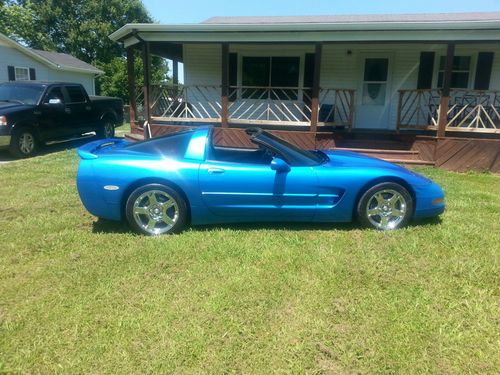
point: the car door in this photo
(53, 115)
(255, 192)
(79, 110)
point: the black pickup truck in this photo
(32, 113)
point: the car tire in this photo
(106, 130)
(24, 143)
(156, 209)
(385, 206)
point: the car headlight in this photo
(3, 121)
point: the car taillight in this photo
(3, 121)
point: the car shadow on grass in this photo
(296, 226)
(108, 226)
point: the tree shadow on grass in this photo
(70, 144)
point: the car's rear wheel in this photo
(107, 129)
(385, 206)
(156, 209)
(24, 143)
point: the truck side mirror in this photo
(55, 101)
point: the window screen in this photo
(22, 74)
(275, 72)
(460, 72)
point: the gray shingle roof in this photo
(368, 18)
(66, 61)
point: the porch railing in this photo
(250, 105)
(186, 103)
(269, 105)
(468, 110)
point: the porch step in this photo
(408, 161)
(378, 151)
(391, 155)
(376, 144)
(134, 137)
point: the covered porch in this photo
(381, 97)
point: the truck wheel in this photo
(24, 143)
(107, 129)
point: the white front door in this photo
(373, 107)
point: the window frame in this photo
(69, 96)
(269, 54)
(27, 73)
(471, 71)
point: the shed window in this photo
(460, 72)
(274, 72)
(22, 74)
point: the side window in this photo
(54, 93)
(75, 94)
(171, 146)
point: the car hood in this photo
(349, 159)
(6, 107)
(353, 159)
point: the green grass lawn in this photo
(79, 296)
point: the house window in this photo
(460, 72)
(270, 72)
(22, 74)
(375, 81)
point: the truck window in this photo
(54, 93)
(76, 94)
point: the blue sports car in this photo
(163, 184)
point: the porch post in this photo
(225, 85)
(315, 87)
(131, 88)
(146, 61)
(445, 93)
(175, 71)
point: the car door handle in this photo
(67, 110)
(216, 170)
(88, 108)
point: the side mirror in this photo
(279, 165)
(55, 101)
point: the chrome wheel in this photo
(386, 209)
(26, 143)
(155, 211)
(109, 130)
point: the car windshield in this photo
(23, 94)
(293, 154)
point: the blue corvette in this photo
(163, 184)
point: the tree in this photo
(115, 80)
(80, 28)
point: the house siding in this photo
(341, 66)
(13, 57)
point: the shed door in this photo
(373, 110)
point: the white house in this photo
(320, 77)
(21, 63)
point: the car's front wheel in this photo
(24, 143)
(385, 206)
(156, 209)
